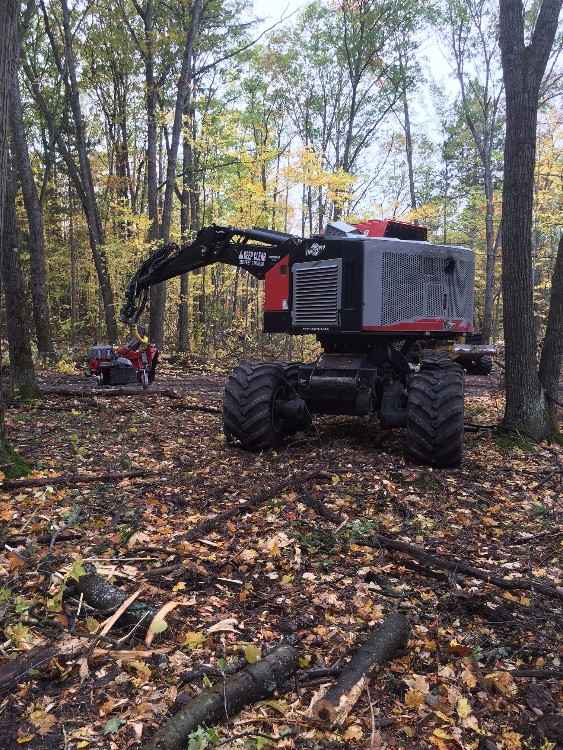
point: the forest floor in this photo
(281, 569)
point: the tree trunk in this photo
(21, 361)
(408, 148)
(182, 102)
(491, 251)
(95, 229)
(8, 16)
(34, 213)
(552, 351)
(74, 291)
(188, 221)
(527, 408)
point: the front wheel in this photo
(251, 413)
(435, 413)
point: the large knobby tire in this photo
(249, 406)
(435, 413)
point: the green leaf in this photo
(280, 706)
(113, 725)
(194, 639)
(77, 570)
(252, 653)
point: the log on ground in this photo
(99, 593)
(224, 700)
(72, 479)
(385, 643)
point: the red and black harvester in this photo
(386, 306)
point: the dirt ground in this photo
(277, 572)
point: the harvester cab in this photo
(386, 306)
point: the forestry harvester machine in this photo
(387, 308)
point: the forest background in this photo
(139, 121)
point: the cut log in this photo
(102, 595)
(210, 524)
(221, 702)
(71, 479)
(390, 638)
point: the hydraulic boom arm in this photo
(213, 244)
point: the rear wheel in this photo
(435, 413)
(481, 366)
(253, 394)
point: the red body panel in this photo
(276, 287)
(390, 228)
(431, 324)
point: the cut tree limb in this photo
(391, 637)
(105, 597)
(221, 702)
(210, 524)
(70, 479)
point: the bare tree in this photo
(81, 174)
(473, 39)
(34, 212)
(530, 391)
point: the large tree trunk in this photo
(8, 11)
(527, 408)
(34, 213)
(21, 360)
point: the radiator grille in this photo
(316, 294)
(419, 287)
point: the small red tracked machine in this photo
(133, 362)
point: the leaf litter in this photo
(277, 572)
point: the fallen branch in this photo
(204, 527)
(70, 479)
(74, 392)
(539, 674)
(15, 670)
(381, 647)
(197, 407)
(193, 571)
(459, 566)
(219, 703)
(320, 507)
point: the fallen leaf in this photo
(228, 625)
(158, 622)
(42, 721)
(354, 732)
